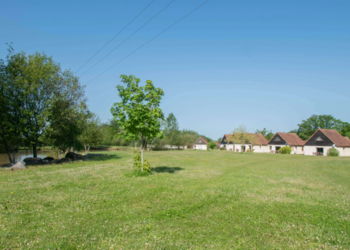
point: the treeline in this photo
(309, 126)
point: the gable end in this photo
(319, 139)
(277, 140)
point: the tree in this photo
(67, 123)
(308, 127)
(219, 139)
(241, 136)
(212, 145)
(172, 132)
(138, 114)
(266, 133)
(91, 135)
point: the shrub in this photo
(250, 150)
(332, 152)
(211, 145)
(223, 148)
(285, 150)
(137, 163)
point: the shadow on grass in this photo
(103, 157)
(164, 169)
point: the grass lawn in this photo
(193, 200)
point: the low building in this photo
(255, 142)
(324, 139)
(286, 139)
(200, 144)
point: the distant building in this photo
(324, 139)
(200, 144)
(286, 139)
(257, 143)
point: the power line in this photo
(128, 37)
(149, 40)
(116, 35)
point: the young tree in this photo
(172, 132)
(212, 145)
(240, 135)
(266, 133)
(138, 114)
(91, 135)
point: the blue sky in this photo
(257, 63)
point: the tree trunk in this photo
(8, 152)
(85, 147)
(73, 149)
(13, 155)
(35, 154)
(142, 157)
(88, 149)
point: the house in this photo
(324, 139)
(200, 144)
(217, 144)
(286, 139)
(256, 142)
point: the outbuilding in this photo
(286, 139)
(200, 144)
(323, 140)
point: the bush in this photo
(332, 152)
(285, 150)
(137, 163)
(250, 150)
(211, 145)
(223, 148)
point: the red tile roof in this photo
(291, 138)
(217, 144)
(256, 139)
(336, 137)
(204, 140)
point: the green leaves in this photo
(138, 112)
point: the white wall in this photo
(237, 147)
(261, 149)
(310, 150)
(347, 151)
(200, 147)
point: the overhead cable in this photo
(149, 41)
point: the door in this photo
(320, 151)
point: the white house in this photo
(256, 142)
(200, 144)
(286, 139)
(324, 139)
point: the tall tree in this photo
(308, 127)
(266, 133)
(138, 114)
(172, 131)
(240, 135)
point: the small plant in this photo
(285, 150)
(250, 150)
(223, 148)
(333, 152)
(137, 163)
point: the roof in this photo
(256, 139)
(204, 140)
(291, 138)
(217, 144)
(335, 137)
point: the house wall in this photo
(261, 149)
(297, 150)
(347, 151)
(237, 147)
(310, 150)
(200, 146)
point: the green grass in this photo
(192, 200)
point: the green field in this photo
(193, 200)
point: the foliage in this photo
(240, 135)
(332, 152)
(171, 131)
(124, 213)
(308, 127)
(137, 163)
(285, 150)
(219, 139)
(138, 114)
(92, 134)
(211, 145)
(266, 133)
(250, 150)
(223, 148)
(146, 166)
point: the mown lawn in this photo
(193, 200)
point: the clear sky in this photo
(257, 63)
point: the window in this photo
(277, 139)
(270, 147)
(319, 139)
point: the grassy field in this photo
(193, 200)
